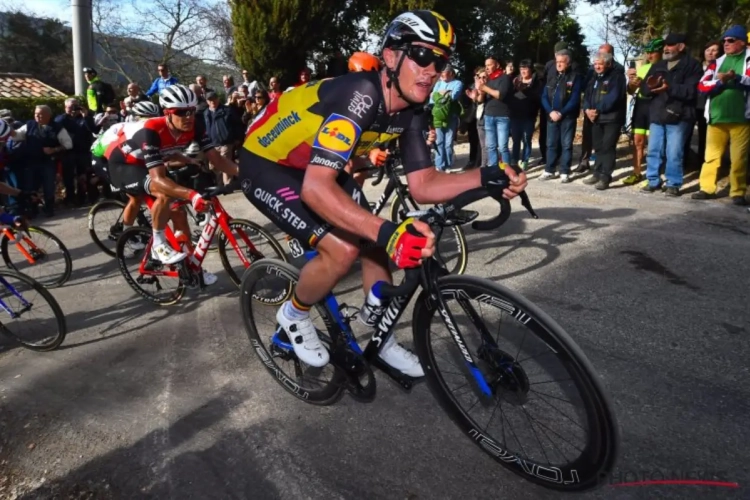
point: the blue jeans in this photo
(560, 138)
(521, 130)
(497, 135)
(669, 139)
(444, 145)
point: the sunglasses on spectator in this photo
(425, 56)
(185, 113)
(730, 40)
(259, 97)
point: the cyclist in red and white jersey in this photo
(137, 163)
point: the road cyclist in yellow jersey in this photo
(292, 169)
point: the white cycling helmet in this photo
(145, 108)
(177, 97)
(5, 130)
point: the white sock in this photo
(159, 238)
(125, 227)
(293, 313)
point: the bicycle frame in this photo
(430, 271)
(11, 235)
(26, 304)
(218, 217)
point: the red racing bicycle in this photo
(147, 276)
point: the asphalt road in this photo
(149, 402)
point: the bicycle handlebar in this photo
(215, 191)
(412, 275)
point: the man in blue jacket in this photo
(163, 81)
(602, 105)
(561, 100)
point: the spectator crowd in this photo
(670, 94)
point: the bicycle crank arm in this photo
(405, 382)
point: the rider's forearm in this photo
(222, 164)
(336, 207)
(428, 186)
(177, 160)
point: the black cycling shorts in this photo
(640, 119)
(131, 179)
(275, 191)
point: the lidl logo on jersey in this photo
(282, 124)
(338, 135)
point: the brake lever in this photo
(379, 178)
(527, 204)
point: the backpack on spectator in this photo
(444, 110)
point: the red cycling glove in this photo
(403, 243)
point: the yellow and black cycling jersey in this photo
(327, 122)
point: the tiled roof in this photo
(23, 85)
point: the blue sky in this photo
(588, 17)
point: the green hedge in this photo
(23, 108)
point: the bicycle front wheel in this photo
(450, 249)
(41, 255)
(253, 241)
(533, 402)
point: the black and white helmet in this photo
(145, 108)
(5, 129)
(177, 97)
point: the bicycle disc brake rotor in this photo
(359, 376)
(506, 377)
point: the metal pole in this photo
(82, 42)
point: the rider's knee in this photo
(338, 251)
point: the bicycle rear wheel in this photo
(450, 250)
(519, 373)
(49, 270)
(21, 297)
(265, 286)
(141, 279)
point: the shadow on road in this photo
(195, 473)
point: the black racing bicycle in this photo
(506, 373)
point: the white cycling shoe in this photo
(165, 254)
(400, 358)
(209, 278)
(304, 339)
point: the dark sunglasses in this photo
(425, 56)
(185, 112)
(259, 97)
(730, 40)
